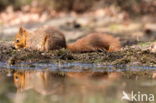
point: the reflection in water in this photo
(42, 82)
(62, 84)
(27, 86)
(46, 82)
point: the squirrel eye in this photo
(16, 78)
(17, 41)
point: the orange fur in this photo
(95, 42)
(49, 39)
(43, 39)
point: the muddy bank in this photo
(128, 56)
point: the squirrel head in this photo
(19, 79)
(21, 38)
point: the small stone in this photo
(11, 61)
(152, 48)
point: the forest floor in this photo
(135, 34)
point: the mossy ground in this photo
(127, 56)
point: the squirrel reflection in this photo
(45, 82)
(42, 82)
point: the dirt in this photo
(130, 55)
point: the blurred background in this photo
(131, 20)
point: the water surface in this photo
(73, 83)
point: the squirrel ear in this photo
(22, 30)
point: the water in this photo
(75, 83)
(75, 67)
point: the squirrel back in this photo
(45, 38)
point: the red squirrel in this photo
(48, 38)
